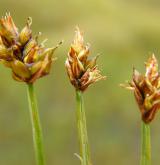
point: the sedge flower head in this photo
(22, 53)
(82, 70)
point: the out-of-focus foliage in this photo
(125, 32)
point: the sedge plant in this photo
(82, 72)
(28, 61)
(146, 90)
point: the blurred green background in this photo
(125, 32)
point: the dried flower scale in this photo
(147, 89)
(21, 52)
(81, 70)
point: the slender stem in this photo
(82, 130)
(146, 145)
(36, 127)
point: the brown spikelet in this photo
(21, 52)
(81, 70)
(147, 89)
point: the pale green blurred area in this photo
(126, 33)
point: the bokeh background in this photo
(126, 33)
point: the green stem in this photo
(146, 145)
(36, 127)
(82, 130)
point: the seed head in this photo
(147, 89)
(22, 53)
(81, 70)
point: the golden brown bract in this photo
(81, 70)
(21, 52)
(147, 89)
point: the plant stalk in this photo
(146, 144)
(82, 130)
(36, 126)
